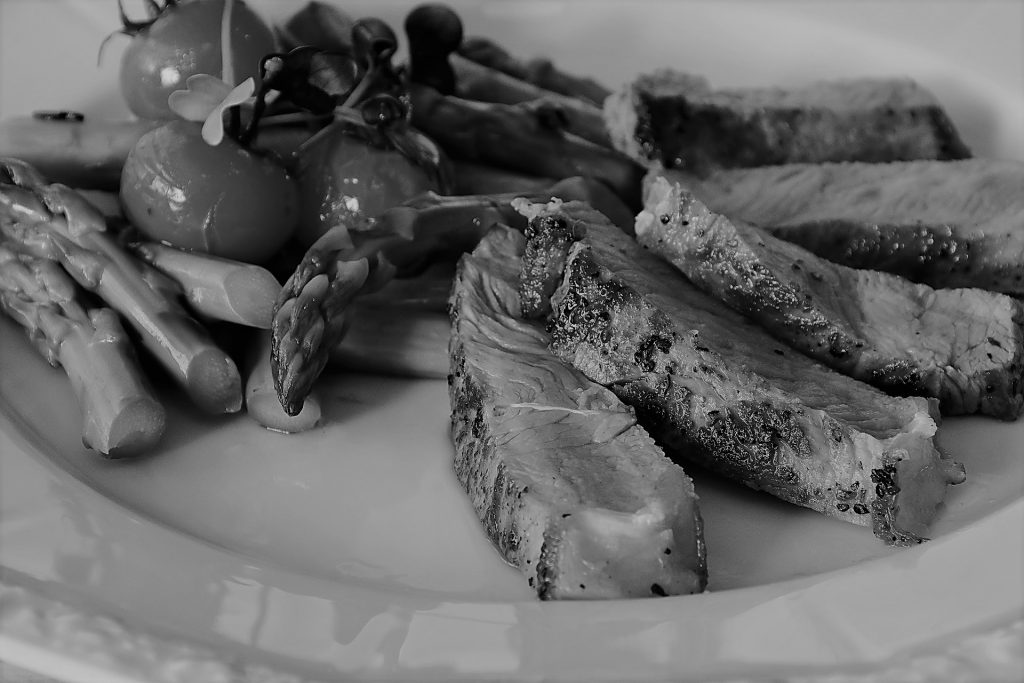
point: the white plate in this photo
(350, 551)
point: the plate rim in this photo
(38, 603)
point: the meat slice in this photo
(946, 224)
(568, 487)
(964, 347)
(679, 120)
(717, 390)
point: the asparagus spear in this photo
(474, 81)
(52, 221)
(215, 287)
(261, 401)
(521, 137)
(120, 415)
(310, 313)
(435, 35)
(540, 72)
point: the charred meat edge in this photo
(678, 120)
(941, 223)
(905, 338)
(712, 410)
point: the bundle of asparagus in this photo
(56, 234)
(119, 412)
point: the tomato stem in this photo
(227, 68)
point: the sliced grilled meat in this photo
(946, 224)
(568, 487)
(717, 390)
(964, 347)
(677, 119)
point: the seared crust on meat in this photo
(964, 347)
(568, 487)
(716, 390)
(945, 224)
(679, 121)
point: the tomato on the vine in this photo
(346, 180)
(221, 199)
(185, 39)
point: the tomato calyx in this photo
(360, 87)
(132, 28)
(153, 8)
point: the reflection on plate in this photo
(350, 549)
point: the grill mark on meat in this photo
(678, 120)
(566, 485)
(944, 224)
(903, 337)
(707, 384)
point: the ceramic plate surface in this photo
(350, 551)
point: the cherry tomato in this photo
(346, 180)
(184, 40)
(224, 199)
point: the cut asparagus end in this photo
(213, 382)
(218, 288)
(265, 408)
(251, 293)
(120, 415)
(135, 429)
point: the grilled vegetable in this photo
(435, 34)
(309, 315)
(523, 137)
(542, 73)
(261, 401)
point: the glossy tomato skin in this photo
(185, 40)
(345, 180)
(223, 200)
